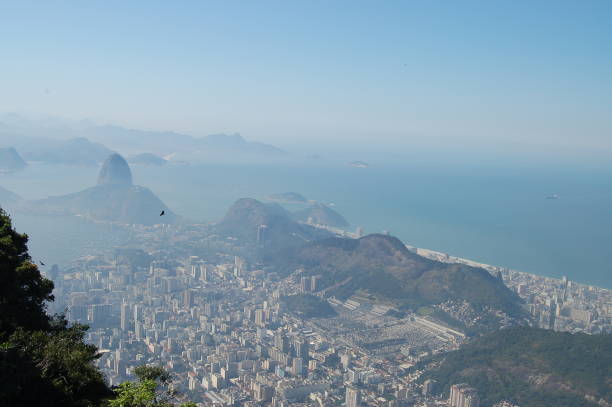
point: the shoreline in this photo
(446, 258)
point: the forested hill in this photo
(532, 368)
(383, 266)
(268, 225)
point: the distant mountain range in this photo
(382, 266)
(84, 143)
(165, 143)
(74, 151)
(113, 199)
(530, 367)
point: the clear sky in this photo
(525, 75)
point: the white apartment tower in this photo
(462, 395)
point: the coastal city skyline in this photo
(305, 204)
(238, 332)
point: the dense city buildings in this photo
(353, 397)
(222, 327)
(557, 304)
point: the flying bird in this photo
(162, 213)
(41, 263)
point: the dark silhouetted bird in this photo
(162, 213)
(41, 263)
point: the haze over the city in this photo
(522, 77)
(306, 203)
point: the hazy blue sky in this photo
(527, 75)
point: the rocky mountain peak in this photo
(115, 171)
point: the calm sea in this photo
(485, 213)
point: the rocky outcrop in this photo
(114, 199)
(115, 171)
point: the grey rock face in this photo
(115, 171)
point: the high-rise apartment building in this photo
(462, 395)
(125, 317)
(353, 397)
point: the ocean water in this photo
(487, 213)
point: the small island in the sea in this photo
(287, 197)
(359, 164)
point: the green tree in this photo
(23, 291)
(151, 390)
(43, 360)
(155, 373)
(57, 363)
(136, 394)
(501, 365)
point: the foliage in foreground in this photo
(43, 360)
(23, 291)
(151, 390)
(56, 363)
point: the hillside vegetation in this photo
(43, 360)
(308, 306)
(532, 367)
(384, 267)
(246, 216)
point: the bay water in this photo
(492, 214)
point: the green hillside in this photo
(384, 267)
(246, 218)
(531, 367)
(308, 306)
